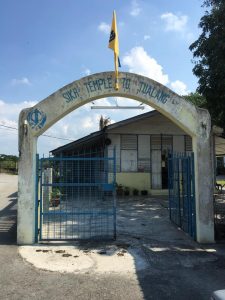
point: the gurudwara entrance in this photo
(94, 176)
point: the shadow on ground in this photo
(176, 267)
(8, 221)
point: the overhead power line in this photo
(46, 135)
(8, 126)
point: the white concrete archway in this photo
(36, 120)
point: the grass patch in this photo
(222, 182)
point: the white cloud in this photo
(174, 22)
(178, 23)
(10, 111)
(179, 87)
(135, 8)
(87, 72)
(82, 122)
(104, 27)
(9, 114)
(22, 81)
(75, 125)
(146, 37)
(87, 122)
(138, 61)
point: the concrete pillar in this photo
(204, 189)
(26, 184)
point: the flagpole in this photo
(114, 45)
(116, 72)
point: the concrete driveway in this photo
(175, 266)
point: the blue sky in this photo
(47, 44)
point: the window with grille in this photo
(167, 142)
(156, 142)
(129, 142)
(188, 143)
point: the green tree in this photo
(209, 58)
(196, 99)
(8, 163)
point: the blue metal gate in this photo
(75, 198)
(182, 191)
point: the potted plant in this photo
(126, 191)
(135, 192)
(119, 190)
(144, 192)
(55, 197)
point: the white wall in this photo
(157, 124)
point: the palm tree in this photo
(103, 122)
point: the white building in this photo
(142, 144)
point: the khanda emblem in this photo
(36, 118)
(112, 36)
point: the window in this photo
(143, 153)
(188, 143)
(129, 153)
(129, 160)
(129, 142)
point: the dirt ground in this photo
(154, 259)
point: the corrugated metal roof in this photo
(91, 137)
(95, 135)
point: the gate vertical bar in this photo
(170, 176)
(193, 208)
(36, 198)
(188, 184)
(114, 191)
(178, 190)
(41, 212)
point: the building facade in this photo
(141, 144)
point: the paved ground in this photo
(176, 267)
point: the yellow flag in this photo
(114, 45)
(113, 40)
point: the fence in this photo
(76, 198)
(182, 191)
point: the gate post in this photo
(26, 183)
(204, 183)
